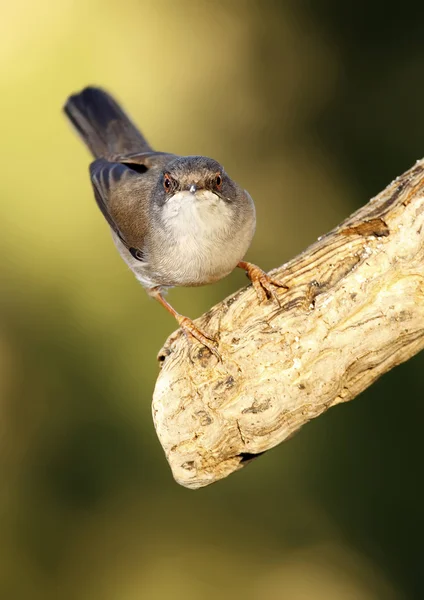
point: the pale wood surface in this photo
(354, 309)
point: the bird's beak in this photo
(193, 188)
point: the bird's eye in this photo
(136, 253)
(167, 182)
(218, 181)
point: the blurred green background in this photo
(313, 107)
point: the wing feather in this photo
(108, 175)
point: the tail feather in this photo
(103, 125)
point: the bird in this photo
(175, 220)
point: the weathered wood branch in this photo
(354, 309)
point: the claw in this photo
(188, 326)
(262, 282)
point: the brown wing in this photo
(121, 187)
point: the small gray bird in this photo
(176, 220)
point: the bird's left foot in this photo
(263, 283)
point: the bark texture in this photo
(353, 310)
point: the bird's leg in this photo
(262, 282)
(185, 323)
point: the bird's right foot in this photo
(189, 327)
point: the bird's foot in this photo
(189, 327)
(263, 283)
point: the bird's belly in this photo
(194, 262)
(206, 246)
(201, 257)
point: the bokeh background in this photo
(314, 107)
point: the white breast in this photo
(207, 248)
(198, 215)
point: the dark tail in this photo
(103, 125)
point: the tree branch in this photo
(354, 309)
